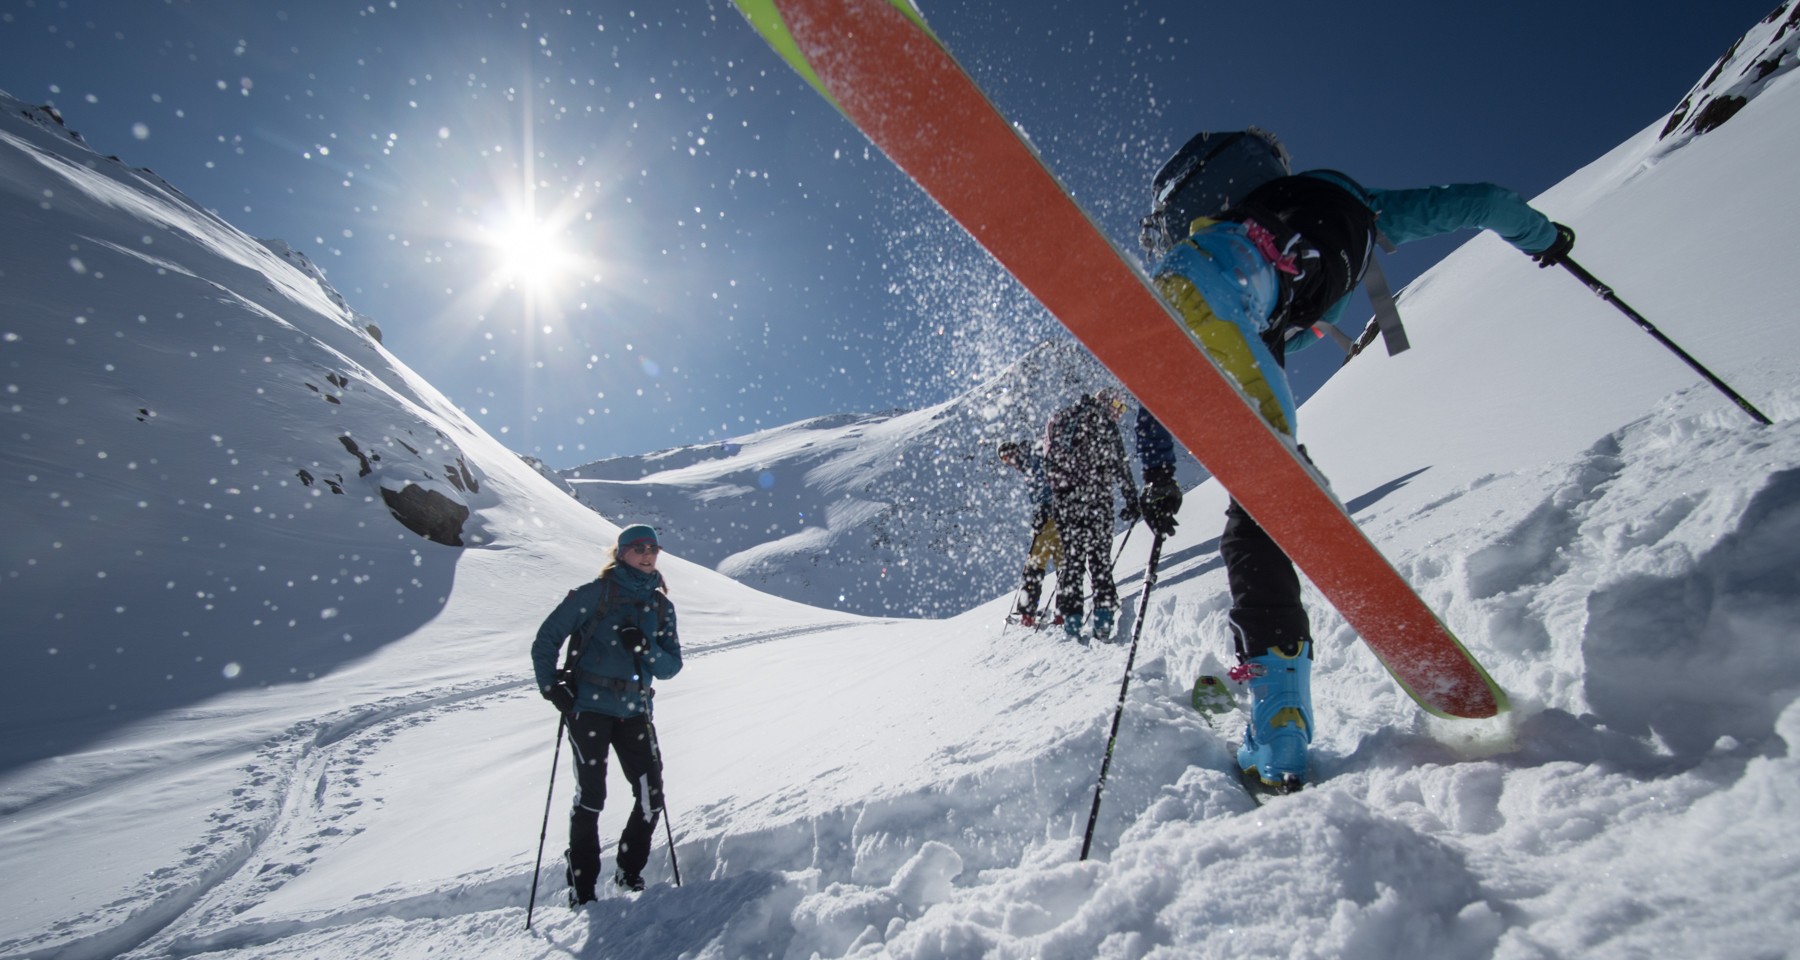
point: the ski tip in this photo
(1480, 699)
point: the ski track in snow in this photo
(297, 796)
(280, 803)
(736, 640)
(319, 770)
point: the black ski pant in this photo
(1084, 518)
(1265, 591)
(590, 735)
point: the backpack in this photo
(1215, 174)
(1210, 174)
(1082, 447)
(585, 632)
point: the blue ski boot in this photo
(1281, 717)
(1071, 623)
(1103, 623)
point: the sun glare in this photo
(532, 254)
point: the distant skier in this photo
(1086, 458)
(1046, 544)
(621, 630)
(1252, 282)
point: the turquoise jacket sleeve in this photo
(1407, 215)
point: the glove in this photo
(1161, 501)
(562, 695)
(1558, 250)
(633, 640)
(1130, 511)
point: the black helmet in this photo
(1209, 175)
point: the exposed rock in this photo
(1716, 112)
(428, 513)
(1768, 50)
(363, 468)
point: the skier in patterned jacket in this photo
(1263, 278)
(1086, 459)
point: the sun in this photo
(532, 253)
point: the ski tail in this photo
(1211, 698)
(767, 19)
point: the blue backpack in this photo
(1210, 174)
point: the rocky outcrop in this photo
(1767, 51)
(428, 513)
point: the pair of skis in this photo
(1047, 621)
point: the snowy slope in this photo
(907, 514)
(200, 438)
(1617, 544)
(200, 563)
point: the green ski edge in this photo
(1211, 697)
(766, 18)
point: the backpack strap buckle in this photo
(1283, 260)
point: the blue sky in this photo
(715, 250)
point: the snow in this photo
(867, 514)
(250, 717)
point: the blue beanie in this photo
(636, 533)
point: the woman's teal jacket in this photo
(609, 677)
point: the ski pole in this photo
(669, 829)
(545, 829)
(1089, 598)
(1137, 630)
(1122, 542)
(1605, 293)
(668, 821)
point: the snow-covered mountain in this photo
(218, 478)
(907, 514)
(1615, 541)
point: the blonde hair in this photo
(612, 560)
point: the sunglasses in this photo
(643, 548)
